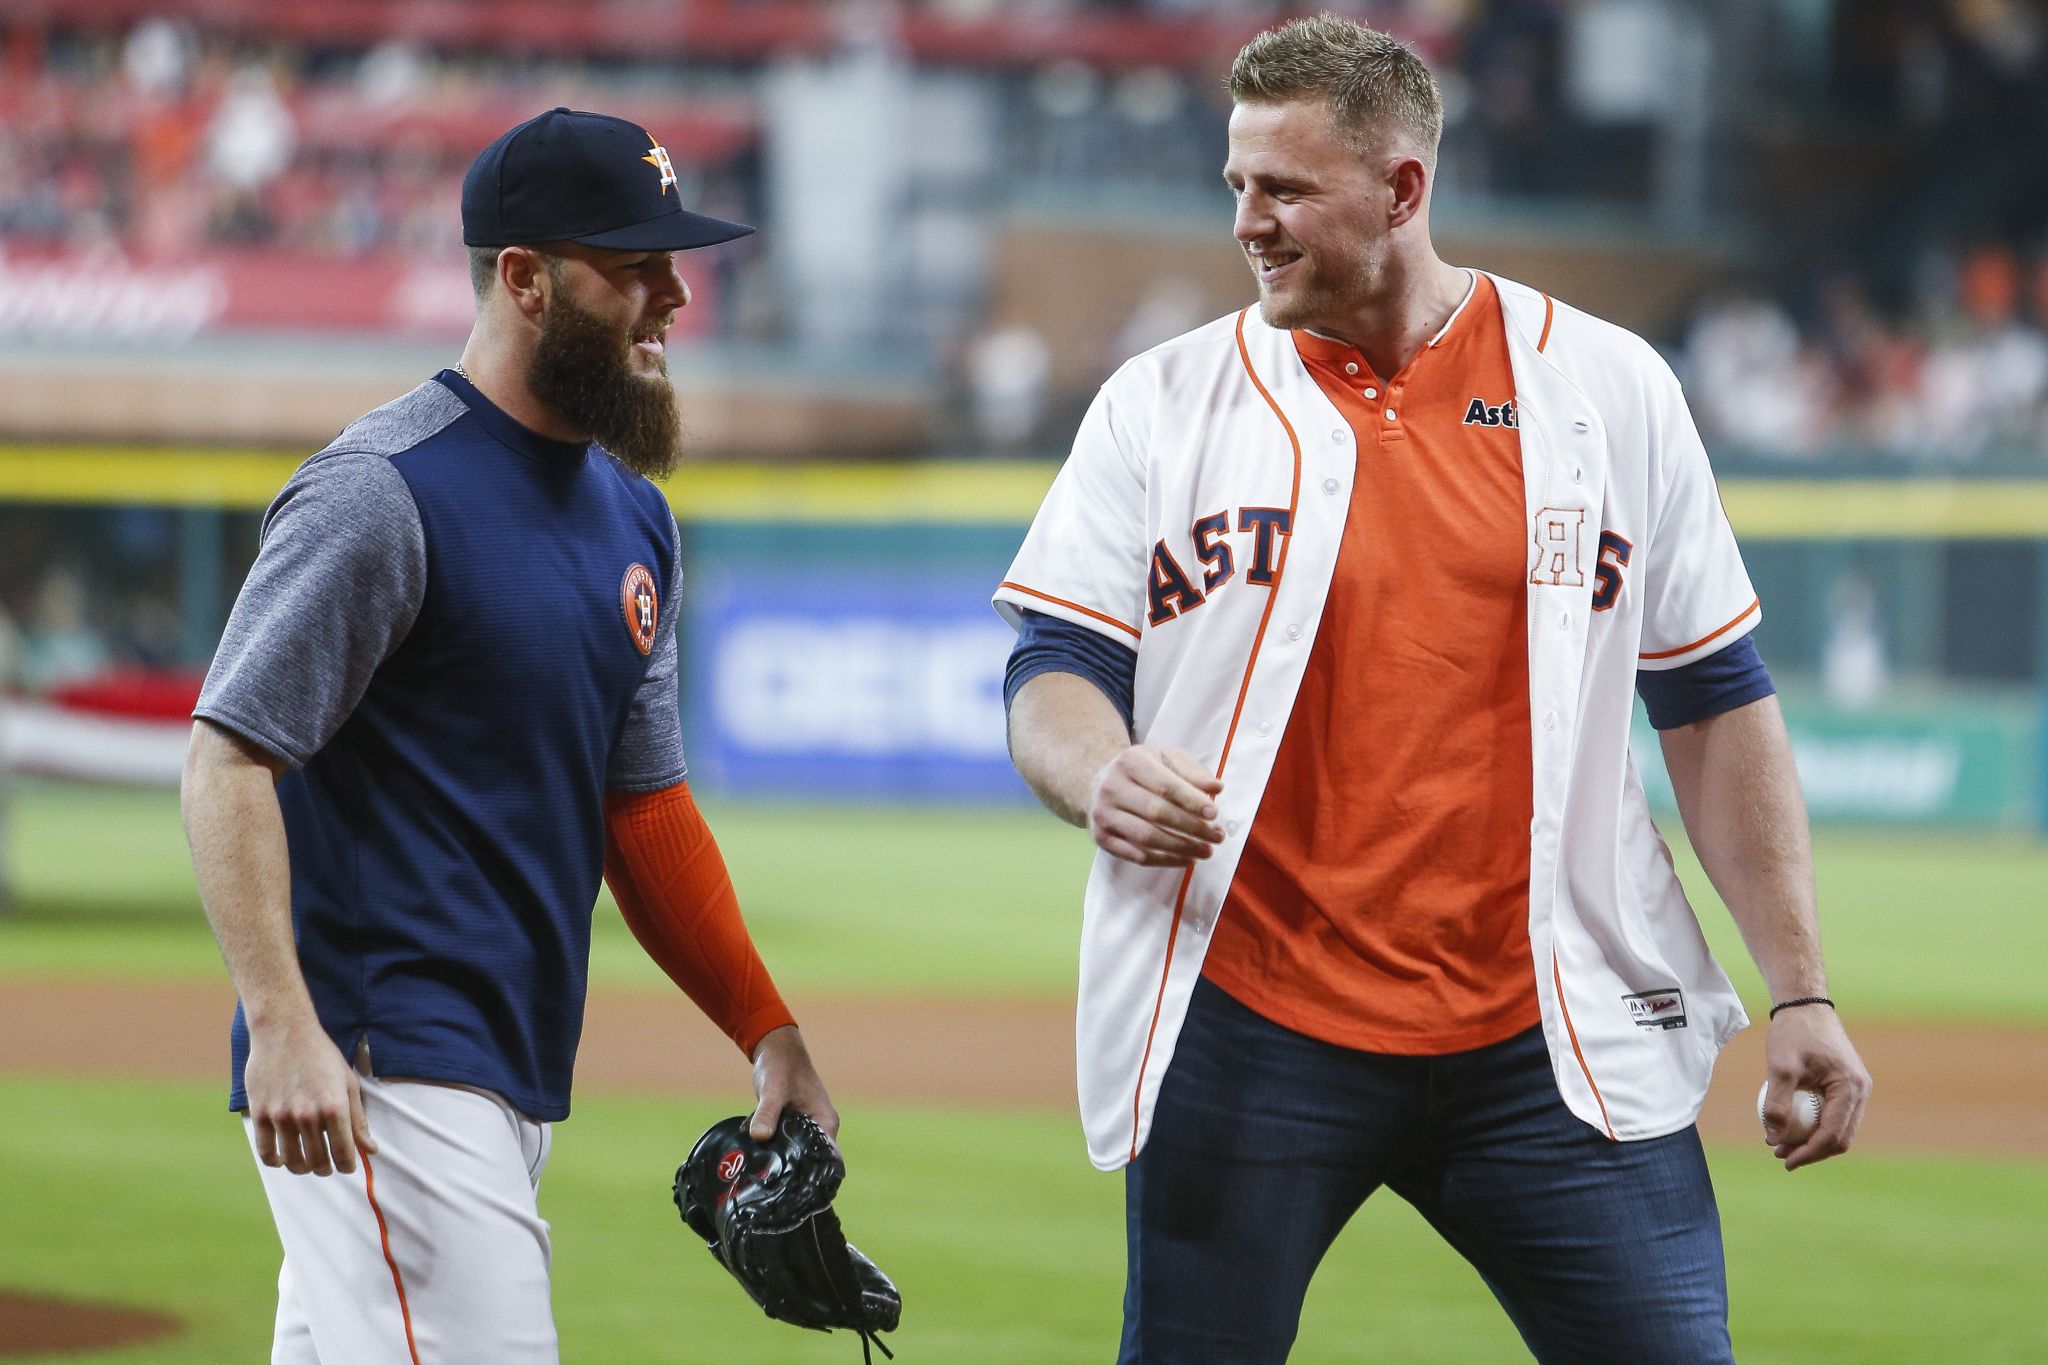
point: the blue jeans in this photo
(1265, 1142)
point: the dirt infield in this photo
(31, 1326)
(1941, 1089)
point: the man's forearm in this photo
(674, 892)
(236, 832)
(1063, 733)
(1739, 795)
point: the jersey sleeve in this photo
(1705, 688)
(649, 754)
(1046, 644)
(339, 577)
(1084, 559)
(1697, 597)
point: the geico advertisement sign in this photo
(870, 686)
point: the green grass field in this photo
(979, 902)
(1007, 1244)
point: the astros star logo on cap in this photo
(658, 158)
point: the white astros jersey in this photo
(1220, 440)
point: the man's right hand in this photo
(304, 1100)
(1155, 807)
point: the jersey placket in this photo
(1377, 414)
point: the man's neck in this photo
(1404, 315)
(501, 377)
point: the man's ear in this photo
(1408, 177)
(523, 273)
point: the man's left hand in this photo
(785, 1078)
(1808, 1049)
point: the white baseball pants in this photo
(432, 1253)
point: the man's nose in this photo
(673, 287)
(1254, 217)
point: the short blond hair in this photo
(1370, 81)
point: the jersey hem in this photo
(390, 1063)
(1719, 638)
(252, 732)
(635, 786)
(1527, 1014)
(1071, 612)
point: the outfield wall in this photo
(839, 643)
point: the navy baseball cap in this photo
(569, 176)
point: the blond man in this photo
(1330, 630)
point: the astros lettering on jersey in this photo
(1199, 519)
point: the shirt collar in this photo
(1322, 350)
(521, 439)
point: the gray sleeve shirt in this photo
(338, 582)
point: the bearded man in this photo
(443, 707)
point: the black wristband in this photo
(1801, 1000)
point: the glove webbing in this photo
(841, 1271)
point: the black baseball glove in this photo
(764, 1209)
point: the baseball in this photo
(1805, 1112)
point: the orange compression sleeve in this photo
(670, 881)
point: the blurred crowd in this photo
(162, 144)
(166, 140)
(167, 137)
(58, 643)
(84, 590)
(1957, 373)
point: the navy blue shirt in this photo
(461, 635)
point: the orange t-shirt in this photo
(1382, 900)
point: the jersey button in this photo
(1550, 720)
(1341, 435)
(1265, 727)
(1351, 367)
(1391, 417)
(1294, 632)
(1371, 393)
(1329, 485)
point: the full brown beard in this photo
(582, 370)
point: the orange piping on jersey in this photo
(1548, 309)
(1740, 617)
(1158, 1003)
(1131, 631)
(384, 1236)
(1230, 735)
(1573, 1033)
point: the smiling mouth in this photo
(651, 342)
(1269, 265)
